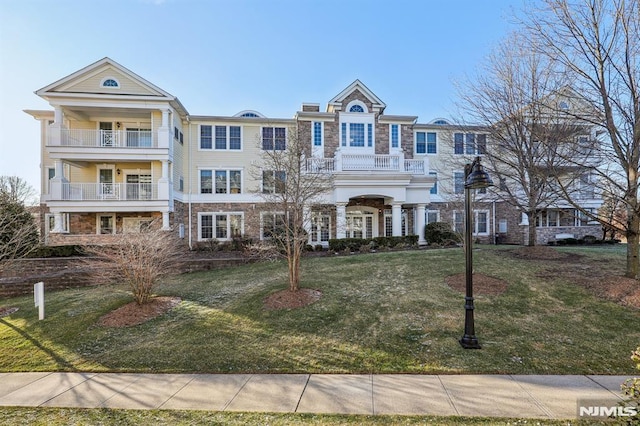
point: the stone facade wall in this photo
(382, 138)
(331, 134)
(406, 140)
(544, 235)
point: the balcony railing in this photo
(105, 138)
(367, 162)
(109, 191)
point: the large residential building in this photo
(118, 152)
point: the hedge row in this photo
(354, 244)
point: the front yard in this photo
(380, 313)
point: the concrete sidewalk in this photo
(446, 395)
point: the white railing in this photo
(415, 167)
(367, 162)
(370, 162)
(106, 138)
(109, 191)
(321, 165)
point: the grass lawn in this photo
(380, 313)
(72, 417)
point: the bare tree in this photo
(16, 189)
(18, 231)
(292, 186)
(509, 99)
(138, 259)
(596, 44)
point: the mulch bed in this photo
(134, 314)
(482, 284)
(541, 253)
(7, 310)
(286, 299)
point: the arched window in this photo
(356, 108)
(250, 115)
(563, 105)
(110, 82)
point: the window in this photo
(105, 225)
(206, 181)
(458, 221)
(481, 144)
(228, 138)
(431, 143)
(434, 190)
(458, 143)
(226, 181)
(273, 182)
(274, 138)
(356, 108)
(317, 133)
(249, 115)
(221, 137)
(433, 216)
(110, 82)
(272, 224)
(356, 131)
(320, 227)
(395, 135)
(458, 182)
(421, 143)
(426, 143)
(355, 134)
(51, 222)
(502, 226)
(181, 138)
(222, 226)
(481, 226)
(176, 133)
(205, 137)
(137, 137)
(469, 143)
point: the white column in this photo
(420, 222)
(163, 182)
(165, 221)
(55, 129)
(164, 131)
(56, 184)
(306, 221)
(341, 220)
(396, 219)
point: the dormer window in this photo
(563, 105)
(111, 83)
(356, 108)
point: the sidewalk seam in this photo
(538, 403)
(67, 389)
(176, 392)
(605, 388)
(446, 391)
(236, 394)
(295, 410)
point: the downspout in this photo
(493, 223)
(189, 180)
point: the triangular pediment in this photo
(105, 77)
(356, 91)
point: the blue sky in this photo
(221, 57)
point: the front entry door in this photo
(106, 187)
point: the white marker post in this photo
(38, 298)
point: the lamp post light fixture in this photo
(474, 178)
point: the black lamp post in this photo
(474, 178)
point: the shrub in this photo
(57, 251)
(631, 387)
(440, 232)
(589, 239)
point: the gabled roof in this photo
(88, 81)
(356, 85)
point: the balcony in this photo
(106, 191)
(367, 162)
(104, 138)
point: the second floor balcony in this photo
(368, 162)
(140, 138)
(109, 192)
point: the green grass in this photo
(78, 416)
(379, 313)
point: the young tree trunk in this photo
(633, 248)
(533, 232)
(294, 269)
